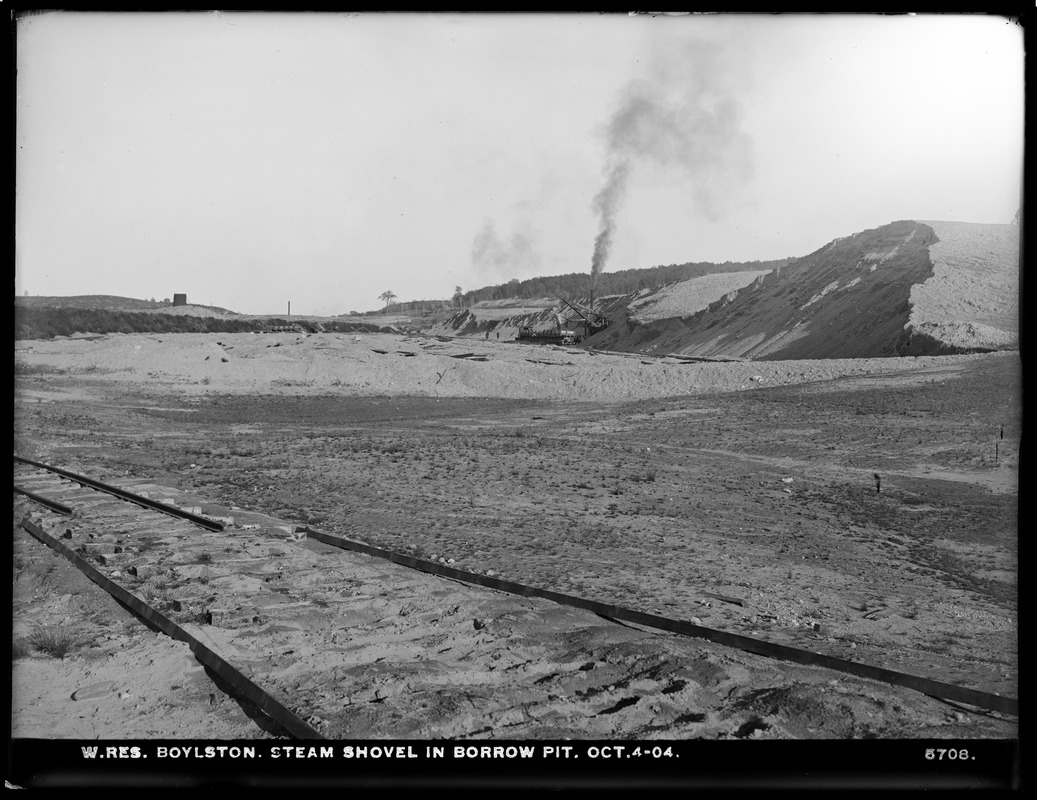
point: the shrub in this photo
(55, 642)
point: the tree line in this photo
(626, 281)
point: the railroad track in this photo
(337, 639)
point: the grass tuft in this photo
(55, 642)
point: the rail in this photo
(53, 505)
(938, 689)
(205, 522)
(270, 705)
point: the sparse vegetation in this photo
(56, 642)
(387, 297)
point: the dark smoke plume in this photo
(606, 204)
(684, 126)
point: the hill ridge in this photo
(906, 288)
(871, 294)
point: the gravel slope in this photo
(972, 300)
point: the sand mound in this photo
(386, 364)
(906, 288)
(972, 300)
(689, 297)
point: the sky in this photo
(256, 160)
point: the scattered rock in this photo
(94, 690)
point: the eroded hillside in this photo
(900, 289)
(972, 300)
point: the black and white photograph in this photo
(516, 398)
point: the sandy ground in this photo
(972, 300)
(688, 297)
(372, 364)
(364, 649)
(743, 480)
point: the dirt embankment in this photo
(907, 288)
(690, 297)
(972, 299)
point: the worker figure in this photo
(487, 334)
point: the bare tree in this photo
(387, 297)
